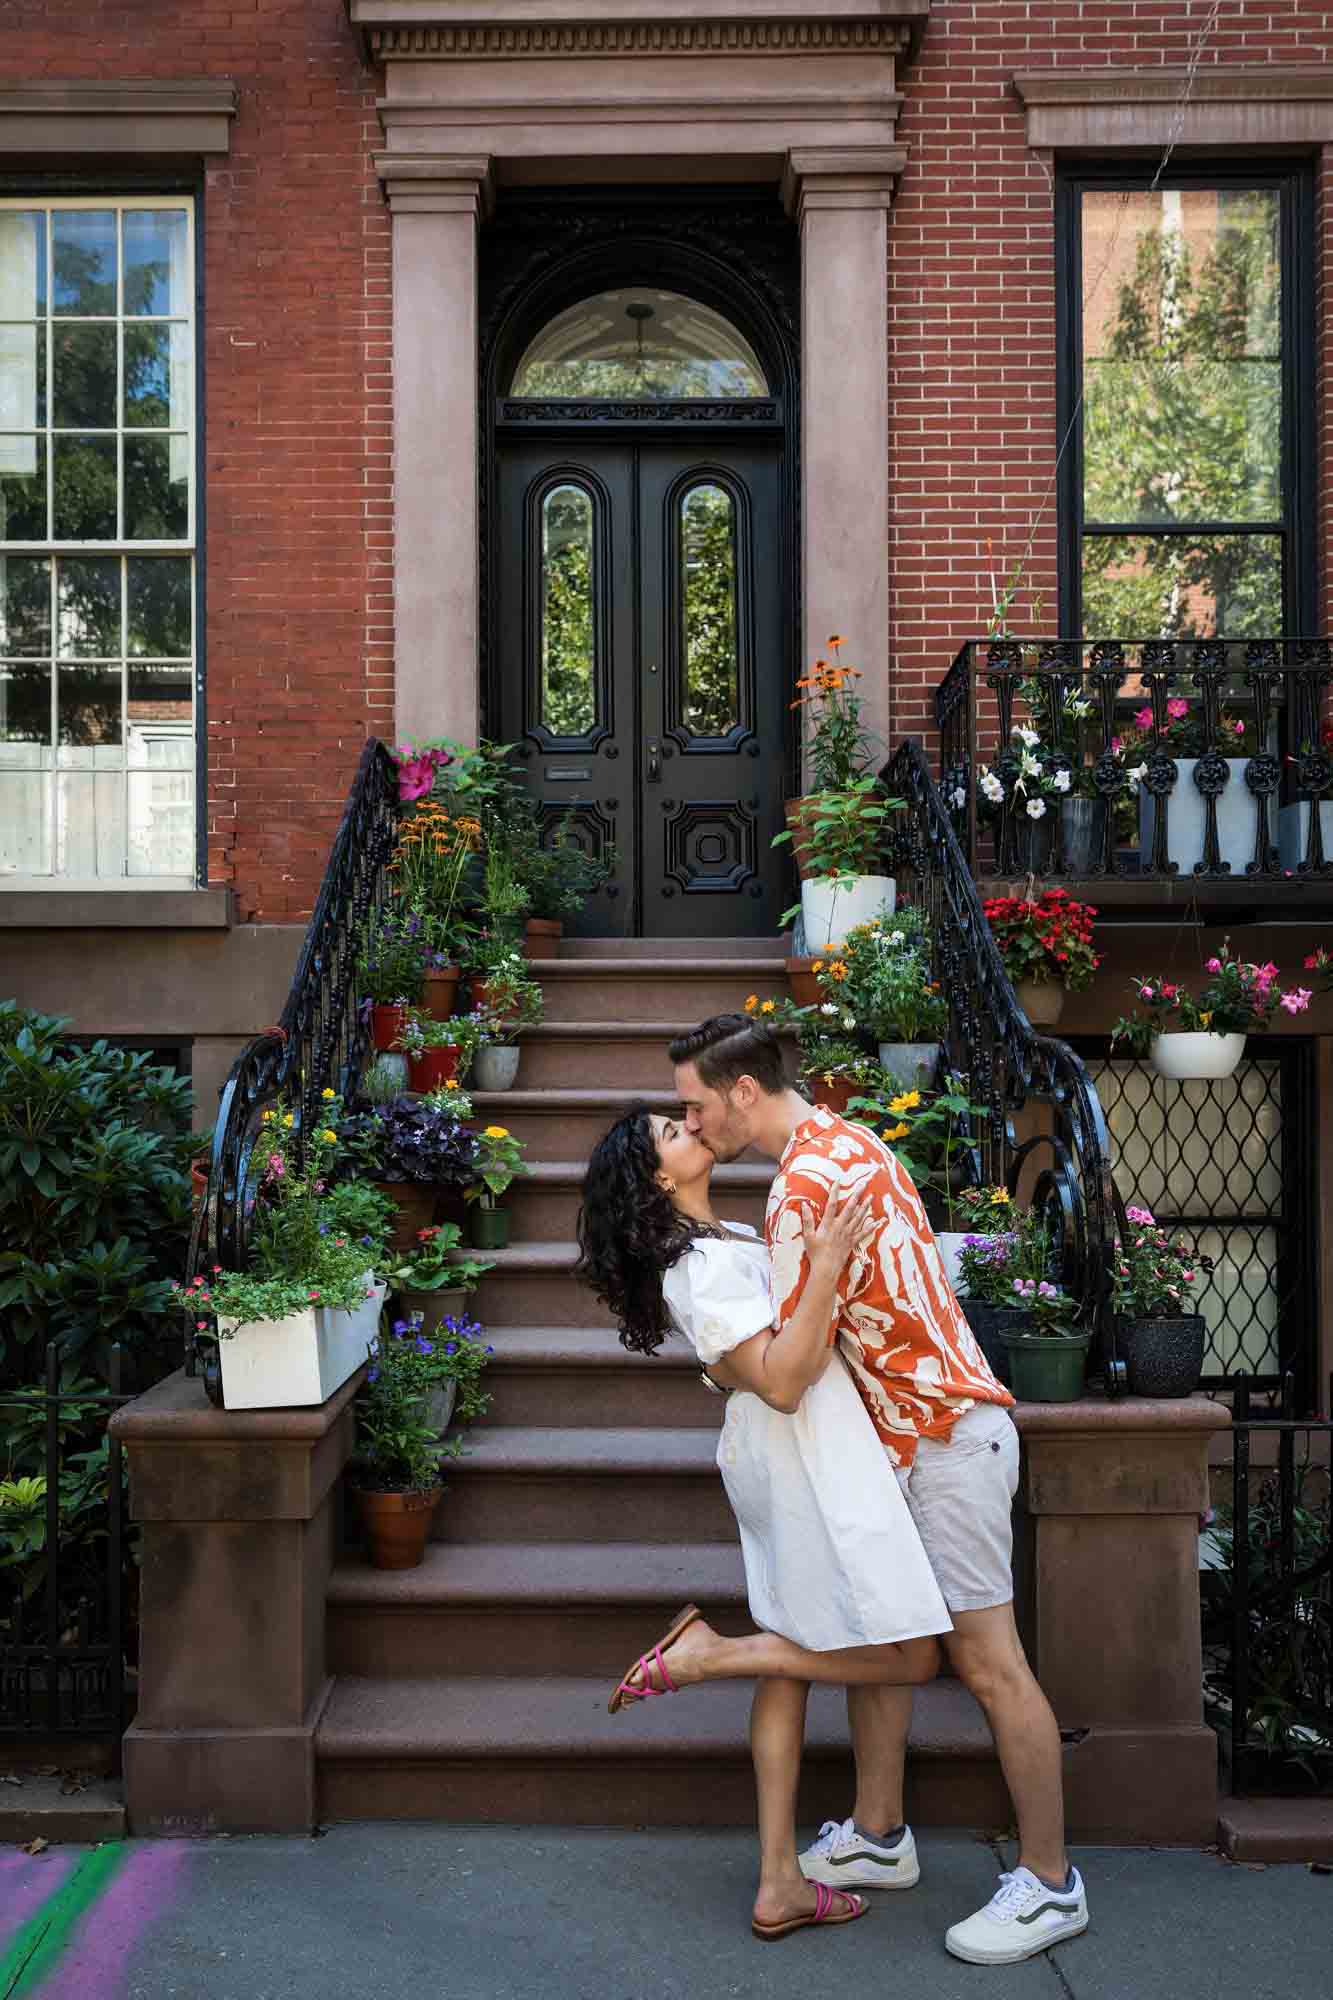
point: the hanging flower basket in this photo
(1196, 1055)
(1041, 1000)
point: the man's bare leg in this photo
(987, 1655)
(880, 1719)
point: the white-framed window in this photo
(97, 541)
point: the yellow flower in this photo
(897, 1132)
(327, 1095)
(289, 1119)
(908, 1101)
(752, 1003)
(768, 1007)
(1000, 1195)
(497, 1132)
(268, 1117)
(818, 965)
(329, 1138)
(451, 1083)
(837, 970)
(1204, 1019)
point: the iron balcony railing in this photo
(1202, 761)
(1040, 1122)
(321, 1039)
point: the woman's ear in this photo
(665, 1182)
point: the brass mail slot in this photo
(570, 773)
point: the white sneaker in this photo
(845, 1859)
(1022, 1917)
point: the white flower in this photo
(1036, 808)
(1029, 765)
(1060, 779)
(828, 1008)
(896, 937)
(959, 797)
(992, 787)
(1029, 738)
(849, 1021)
(1138, 774)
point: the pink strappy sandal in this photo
(825, 1913)
(646, 1661)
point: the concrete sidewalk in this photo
(401, 1912)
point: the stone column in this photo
(840, 200)
(1107, 1564)
(436, 202)
(238, 1516)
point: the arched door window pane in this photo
(568, 583)
(642, 345)
(707, 531)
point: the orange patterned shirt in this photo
(902, 1332)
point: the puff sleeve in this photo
(717, 1298)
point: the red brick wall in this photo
(298, 418)
(972, 349)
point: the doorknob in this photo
(654, 762)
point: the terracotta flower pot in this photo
(397, 1525)
(386, 1025)
(541, 937)
(1041, 1000)
(439, 989)
(481, 990)
(835, 1096)
(432, 1068)
(804, 982)
(414, 1209)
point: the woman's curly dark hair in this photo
(629, 1233)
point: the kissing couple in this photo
(869, 1457)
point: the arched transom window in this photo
(640, 344)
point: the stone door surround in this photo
(615, 92)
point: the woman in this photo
(836, 1575)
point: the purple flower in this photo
(374, 1375)
(451, 1348)
(400, 1326)
(424, 1346)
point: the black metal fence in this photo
(63, 1547)
(1268, 1603)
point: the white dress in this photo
(832, 1555)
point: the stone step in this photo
(533, 1284)
(543, 1751)
(566, 1124)
(547, 1483)
(666, 986)
(515, 1608)
(544, 1204)
(700, 947)
(600, 1055)
(581, 1375)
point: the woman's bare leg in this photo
(777, 1731)
(701, 1654)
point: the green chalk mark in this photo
(35, 1950)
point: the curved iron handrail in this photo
(320, 1041)
(1011, 1068)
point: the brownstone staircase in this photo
(588, 1506)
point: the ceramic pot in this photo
(489, 1228)
(1196, 1055)
(541, 937)
(440, 1406)
(1082, 834)
(432, 1067)
(414, 1209)
(440, 990)
(804, 983)
(990, 1324)
(1041, 1000)
(832, 905)
(1047, 1367)
(835, 1096)
(1034, 842)
(949, 1243)
(1164, 1357)
(198, 1183)
(397, 1525)
(386, 1025)
(292, 1363)
(385, 1077)
(913, 1064)
(495, 1066)
(1187, 819)
(446, 1302)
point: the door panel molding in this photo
(689, 742)
(536, 730)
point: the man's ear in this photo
(745, 1094)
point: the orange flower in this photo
(837, 970)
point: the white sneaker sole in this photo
(976, 1956)
(863, 1874)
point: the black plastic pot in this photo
(990, 1324)
(1164, 1357)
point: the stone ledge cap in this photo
(177, 1412)
(126, 909)
(131, 115)
(1219, 105)
(1224, 82)
(1103, 1416)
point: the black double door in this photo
(643, 670)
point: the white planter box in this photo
(285, 1364)
(1196, 1054)
(833, 905)
(913, 1064)
(1293, 832)
(1187, 819)
(951, 1243)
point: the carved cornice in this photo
(442, 43)
(96, 115)
(1218, 105)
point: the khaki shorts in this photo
(961, 1495)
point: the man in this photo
(942, 1417)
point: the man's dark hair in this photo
(729, 1046)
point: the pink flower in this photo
(1116, 746)
(415, 778)
(1188, 1276)
(1296, 1001)
(1238, 728)
(1139, 1215)
(1213, 965)
(1143, 720)
(1177, 709)
(1145, 993)
(313, 1295)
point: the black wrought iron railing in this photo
(1207, 760)
(1267, 1589)
(1040, 1126)
(63, 1616)
(320, 1042)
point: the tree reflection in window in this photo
(568, 645)
(707, 532)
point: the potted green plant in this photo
(836, 831)
(1189, 1036)
(499, 1159)
(390, 971)
(433, 1279)
(506, 1000)
(1160, 1340)
(446, 1362)
(972, 1212)
(559, 877)
(438, 1050)
(430, 864)
(993, 1264)
(1047, 1358)
(412, 1148)
(301, 1317)
(1045, 943)
(395, 1469)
